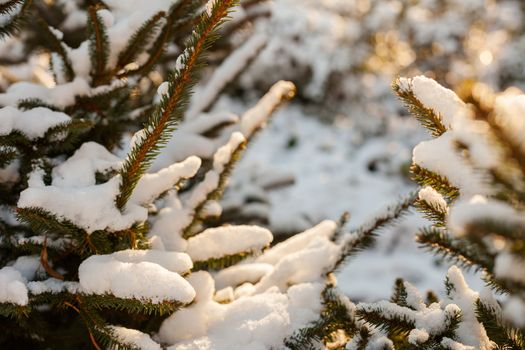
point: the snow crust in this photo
(150, 186)
(257, 115)
(480, 208)
(470, 331)
(135, 338)
(32, 123)
(80, 169)
(227, 240)
(126, 275)
(433, 198)
(258, 322)
(61, 95)
(442, 100)
(13, 287)
(90, 207)
(439, 155)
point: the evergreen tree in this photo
(111, 174)
(472, 179)
(110, 179)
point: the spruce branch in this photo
(336, 315)
(30, 103)
(431, 213)
(176, 18)
(55, 44)
(7, 155)
(212, 193)
(131, 306)
(223, 262)
(341, 223)
(100, 334)
(45, 222)
(400, 294)
(390, 318)
(498, 330)
(228, 71)
(361, 339)
(98, 44)
(8, 6)
(425, 177)
(429, 118)
(14, 311)
(459, 251)
(140, 39)
(13, 24)
(173, 104)
(365, 236)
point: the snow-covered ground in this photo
(336, 169)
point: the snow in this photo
(511, 267)
(150, 186)
(134, 337)
(227, 240)
(514, 309)
(257, 115)
(433, 319)
(440, 156)
(52, 285)
(166, 229)
(417, 336)
(61, 96)
(107, 17)
(479, 208)
(211, 180)
(224, 154)
(433, 198)
(27, 265)
(89, 207)
(212, 209)
(297, 174)
(5, 18)
(306, 265)
(32, 123)
(258, 322)
(79, 170)
(470, 331)
(225, 73)
(240, 273)
(298, 242)
(171, 261)
(120, 276)
(12, 287)
(206, 121)
(163, 88)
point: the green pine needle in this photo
(139, 41)
(429, 118)
(365, 236)
(98, 45)
(439, 183)
(458, 251)
(335, 316)
(500, 332)
(174, 104)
